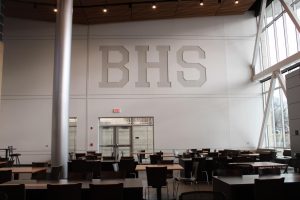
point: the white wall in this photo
(225, 112)
(293, 98)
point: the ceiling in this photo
(90, 11)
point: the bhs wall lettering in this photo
(143, 65)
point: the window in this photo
(72, 134)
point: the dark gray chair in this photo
(106, 191)
(64, 191)
(157, 178)
(12, 192)
(201, 195)
(5, 176)
(269, 189)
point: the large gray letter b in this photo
(120, 65)
(198, 66)
(162, 65)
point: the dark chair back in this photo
(141, 155)
(155, 159)
(269, 189)
(56, 173)
(64, 191)
(108, 157)
(79, 156)
(12, 192)
(106, 191)
(127, 167)
(156, 176)
(205, 195)
(5, 176)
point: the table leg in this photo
(158, 193)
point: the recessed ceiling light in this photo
(104, 10)
(154, 6)
(55, 10)
(236, 2)
(201, 3)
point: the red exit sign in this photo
(116, 110)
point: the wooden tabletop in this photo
(3, 162)
(260, 164)
(169, 166)
(30, 170)
(42, 184)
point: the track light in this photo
(236, 2)
(201, 3)
(154, 6)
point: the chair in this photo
(157, 178)
(108, 158)
(14, 156)
(80, 156)
(79, 170)
(191, 180)
(203, 195)
(56, 173)
(269, 189)
(64, 191)
(106, 191)
(141, 156)
(202, 168)
(170, 172)
(12, 192)
(39, 175)
(127, 168)
(5, 176)
(155, 159)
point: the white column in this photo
(267, 110)
(61, 85)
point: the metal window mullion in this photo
(286, 36)
(282, 118)
(273, 123)
(267, 109)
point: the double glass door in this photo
(116, 141)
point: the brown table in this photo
(36, 189)
(242, 187)
(23, 170)
(169, 166)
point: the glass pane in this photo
(107, 136)
(278, 118)
(123, 135)
(115, 121)
(285, 121)
(269, 14)
(277, 8)
(142, 121)
(72, 134)
(124, 151)
(272, 48)
(291, 35)
(281, 39)
(143, 138)
(264, 48)
(107, 151)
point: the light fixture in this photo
(154, 6)
(201, 3)
(104, 10)
(55, 10)
(236, 2)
